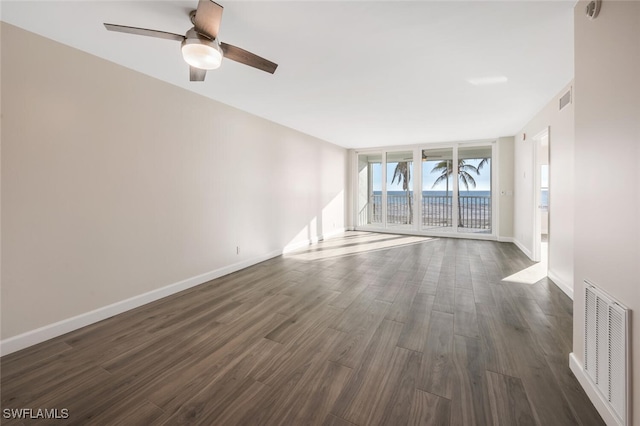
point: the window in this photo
(454, 185)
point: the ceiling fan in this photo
(201, 48)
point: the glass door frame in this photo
(414, 185)
(492, 182)
(416, 227)
(370, 215)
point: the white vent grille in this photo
(565, 99)
(605, 349)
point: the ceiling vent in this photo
(565, 99)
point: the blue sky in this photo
(483, 181)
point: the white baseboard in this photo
(335, 233)
(596, 398)
(522, 248)
(299, 245)
(506, 239)
(561, 284)
(39, 335)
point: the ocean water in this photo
(437, 193)
(544, 196)
(474, 209)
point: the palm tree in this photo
(402, 172)
(445, 168)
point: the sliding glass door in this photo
(369, 189)
(454, 185)
(437, 189)
(474, 189)
(399, 189)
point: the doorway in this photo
(541, 204)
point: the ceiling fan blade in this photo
(144, 32)
(196, 74)
(240, 55)
(208, 17)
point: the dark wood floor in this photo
(366, 329)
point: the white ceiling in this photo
(359, 73)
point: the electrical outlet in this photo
(237, 249)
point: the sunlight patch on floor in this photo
(533, 273)
(358, 243)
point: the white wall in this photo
(115, 184)
(561, 186)
(505, 189)
(607, 151)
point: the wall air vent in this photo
(565, 99)
(606, 343)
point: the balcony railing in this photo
(398, 211)
(474, 211)
(437, 211)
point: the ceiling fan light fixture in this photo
(200, 52)
(201, 48)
